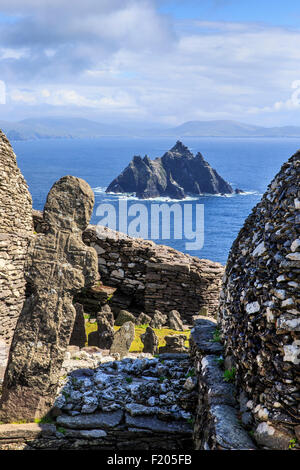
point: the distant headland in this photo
(80, 128)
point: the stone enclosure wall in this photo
(154, 276)
(16, 227)
(259, 312)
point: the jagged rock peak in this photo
(180, 148)
(177, 173)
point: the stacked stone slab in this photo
(259, 311)
(16, 227)
(156, 277)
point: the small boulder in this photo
(175, 322)
(124, 317)
(143, 319)
(174, 344)
(158, 320)
(123, 339)
(150, 341)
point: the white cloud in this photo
(293, 102)
(2, 92)
(118, 57)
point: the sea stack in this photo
(177, 173)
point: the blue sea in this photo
(249, 164)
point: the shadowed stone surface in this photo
(95, 421)
(59, 265)
(123, 339)
(105, 322)
(143, 319)
(78, 337)
(150, 341)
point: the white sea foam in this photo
(132, 196)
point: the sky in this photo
(151, 62)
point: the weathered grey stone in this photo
(143, 319)
(174, 344)
(151, 422)
(150, 341)
(94, 421)
(175, 322)
(158, 320)
(123, 339)
(272, 437)
(58, 266)
(105, 322)
(202, 337)
(123, 317)
(3, 358)
(229, 433)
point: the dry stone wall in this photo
(217, 424)
(259, 312)
(16, 227)
(156, 277)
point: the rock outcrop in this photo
(177, 173)
(259, 311)
(58, 266)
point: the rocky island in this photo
(177, 173)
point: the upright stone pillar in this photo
(59, 266)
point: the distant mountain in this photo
(78, 128)
(58, 128)
(228, 129)
(177, 173)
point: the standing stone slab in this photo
(78, 337)
(150, 341)
(105, 321)
(59, 265)
(123, 339)
(16, 228)
(175, 322)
